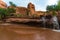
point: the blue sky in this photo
(39, 4)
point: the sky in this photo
(40, 5)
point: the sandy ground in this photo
(25, 32)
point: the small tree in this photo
(3, 13)
(11, 11)
(58, 5)
(12, 4)
(51, 8)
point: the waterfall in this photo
(55, 22)
(43, 19)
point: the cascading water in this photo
(55, 22)
(43, 19)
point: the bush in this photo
(19, 15)
(3, 13)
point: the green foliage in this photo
(54, 14)
(19, 15)
(51, 8)
(34, 16)
(11, 10)
(58, 3)
(48, 8)
(57, 8)
(12, 4)
(3, 13)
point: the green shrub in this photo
(19, 15)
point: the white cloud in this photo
(51, 2)
(39, 8)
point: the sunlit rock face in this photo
(2, 4)
(21, 10)
(31, 8)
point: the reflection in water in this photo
(38, 37)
